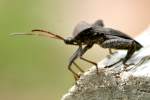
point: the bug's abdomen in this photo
(138, 45)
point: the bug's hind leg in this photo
(130, 52)
(113, 64)
(121, 43)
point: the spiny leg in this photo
(130, 52)
(121, 43)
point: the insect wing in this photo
(119, 34)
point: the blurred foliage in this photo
(32, 67)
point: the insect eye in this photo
(68, 40)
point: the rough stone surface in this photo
(115, 83)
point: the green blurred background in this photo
(35, 68)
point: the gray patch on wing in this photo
(80, 27)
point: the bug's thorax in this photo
(85, 33)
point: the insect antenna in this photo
(47, 33)
(41, 33)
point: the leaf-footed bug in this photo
(86, 35)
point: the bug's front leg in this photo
(72, 61)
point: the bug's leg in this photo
(78, 67)
(121, 43)
(113, 64)
(76, 76)
(71, 61)
(110, 51)
(130, 52)
(92, 62)
(143, 60)
(89, 61)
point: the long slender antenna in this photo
(48, 34)
(42, 33)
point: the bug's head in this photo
(70, 40)
(79, 29)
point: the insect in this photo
(86, 35)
